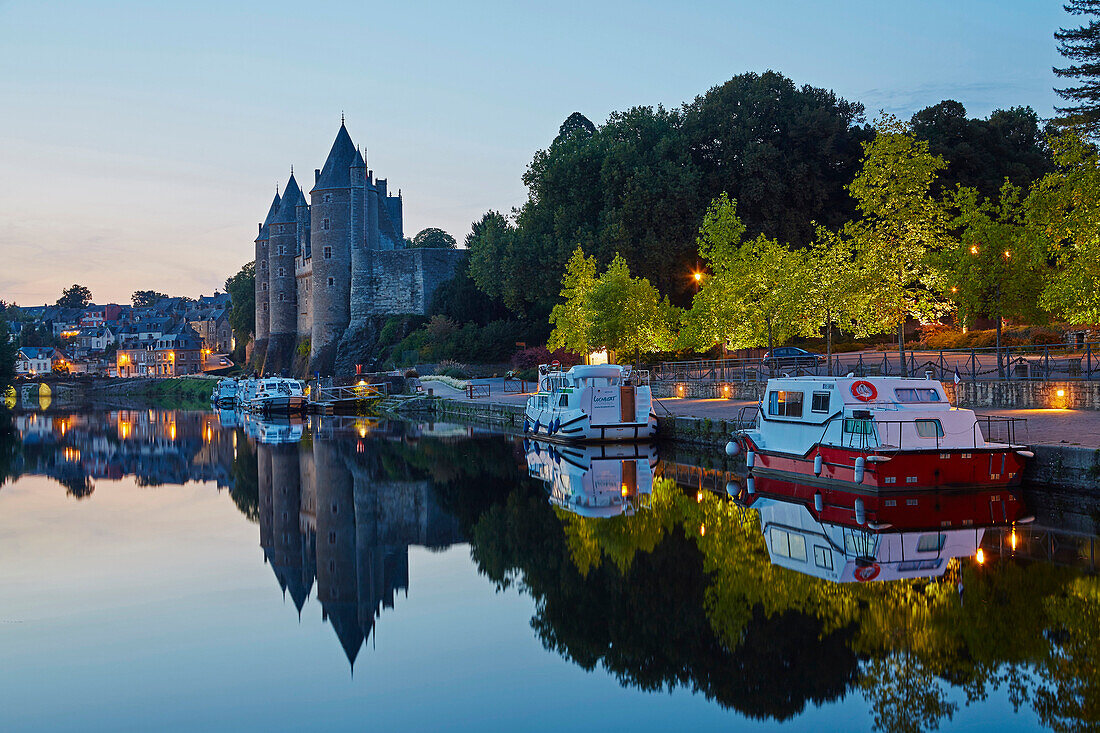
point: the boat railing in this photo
(746, 417)
(1000, 429)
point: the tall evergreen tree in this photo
(1081, 45)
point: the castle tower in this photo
(282, 285)
(303, 272)
(259, 347)
(331, 219)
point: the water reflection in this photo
(664, 584)
(594, 480)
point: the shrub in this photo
(411, 374)
(531, 358)
(452, 369)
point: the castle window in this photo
(327, 200)
(280, 297)
(331, 281)
(265, 287)
(282, 272)
(265, 307)
(324, 224)
(263, 264)
(328, 251)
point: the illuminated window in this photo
(785, 404)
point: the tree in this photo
(901, 224)
(242, 310)
(1081, 46)
(572, 318)
(7, 357)
(1064, 209)
(994, 268)
(983, 153)
(628, 314)
(835, 293)
(76, 296)
(575, 124)
(755, 295)
(432, 238)
(146, 298)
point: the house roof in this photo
(37, 352)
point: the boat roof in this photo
(861, 390)
(596, 370)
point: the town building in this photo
(177, 354)
(34, 360)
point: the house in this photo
(212, 326)
(136, 358)
(95, 339)
(32, 360)
(177, 354)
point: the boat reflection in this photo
(846, 536)
(594, 480)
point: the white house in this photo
(36, 360)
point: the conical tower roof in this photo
(336, 173)
(270, 216)
(292, 198)
(358, 162)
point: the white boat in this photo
(278, 395)
(875, 432)
(594, 480)
(224, 394)
(594, 403)
(246, 390)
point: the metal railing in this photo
(1013, 363)
(516, 386)
(477, 391)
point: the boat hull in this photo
(278, 404)
(578, 428)
(993, 466)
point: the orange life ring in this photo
(869, 572)
(864, 391)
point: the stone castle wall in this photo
(403, 281)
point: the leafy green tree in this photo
(995, 268)
(575, 124)
(900, 225)
(1064, 208)
(628, 314)
(981, 154)
(146, 298)
(8, 351)
(242, 310)
(1081, 46)
(432, 238)
(75, 296)
(755, 295)
(572, 318)
(835, 292)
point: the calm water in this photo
(171, 570)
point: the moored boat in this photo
(594, 480)
(875, 432)
(591, 403)
(224, 393)
(278, 395)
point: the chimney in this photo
(259, 228)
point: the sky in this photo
(140, 143)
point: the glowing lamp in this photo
(980, 556)
(702, 530)
(973, 250)
(698, 276)
(625, 490)
(1061, 393)
(1012, 539)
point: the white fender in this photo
(818, 502)
(859, 470)
(732, 448)
(1026, 453)
(750, 458)
(817, 465)
(861, 512)
(732, 488)
(750, 485)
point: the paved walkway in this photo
(1070, 427)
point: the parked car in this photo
(791, 356)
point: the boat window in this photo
(785, 404)
(910, 565)
(860, 543)
(858, 426)
(823, 558)
(929, 428)
(820, 402)
(931, 542)
(916, 395)
(788, 544)
(564, 401)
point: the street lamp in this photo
(973, 249)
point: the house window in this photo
(820, 402)
(929, 428)
(324, 224)
(328, 251)
(785, 404)
(331, 282)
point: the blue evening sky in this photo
(141, 142)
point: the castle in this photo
(328, 269)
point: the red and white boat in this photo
(875, 432)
